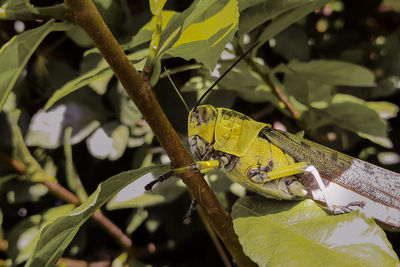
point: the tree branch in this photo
(85, 14)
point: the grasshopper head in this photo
(201, 129)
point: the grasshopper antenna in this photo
(176, 89)
(223, 75)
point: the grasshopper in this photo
(281, 165)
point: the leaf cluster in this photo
(66, 119)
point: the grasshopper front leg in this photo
(202, 166)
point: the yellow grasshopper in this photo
(281, 165)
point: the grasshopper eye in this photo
(205, 114)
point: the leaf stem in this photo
(85, 14)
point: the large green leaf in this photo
(259, 14)
(288, 18)
(362, 117)
(134, 195)
(282, 233)
(333, 72)
(17, 52)
(55, 237)
(205, 33)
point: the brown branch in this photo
(85, 14)
(275, 89)
(3, 244)
(15, 164)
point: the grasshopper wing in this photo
(368, 180)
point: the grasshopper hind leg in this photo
(335, 209)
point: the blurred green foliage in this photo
(65, 117)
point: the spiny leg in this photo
(260, 175)
(187, 219)
(198, 166)
(162, 178)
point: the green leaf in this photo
(134, 195)
(82, 110)
(308, 92)
(292, 43)
(354, 114)
(55, 237)
(17, 52)
(22, 237)
(33, 170)
(137, 219)
(101, 70)
(206, 33)
(22, 192)
(72, 177)
(123, 106)
(156, 6)
(283, 233)
(201, 32)
(109, 141)
(265, 11)
(244, 4)
(288, 18)
(17, 9)
(333, 72)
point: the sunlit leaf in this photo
(206, 31)
(282, 233)
(135, 196)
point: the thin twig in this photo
(214, 238)
(3, 244)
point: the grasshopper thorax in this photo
(201, 129)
